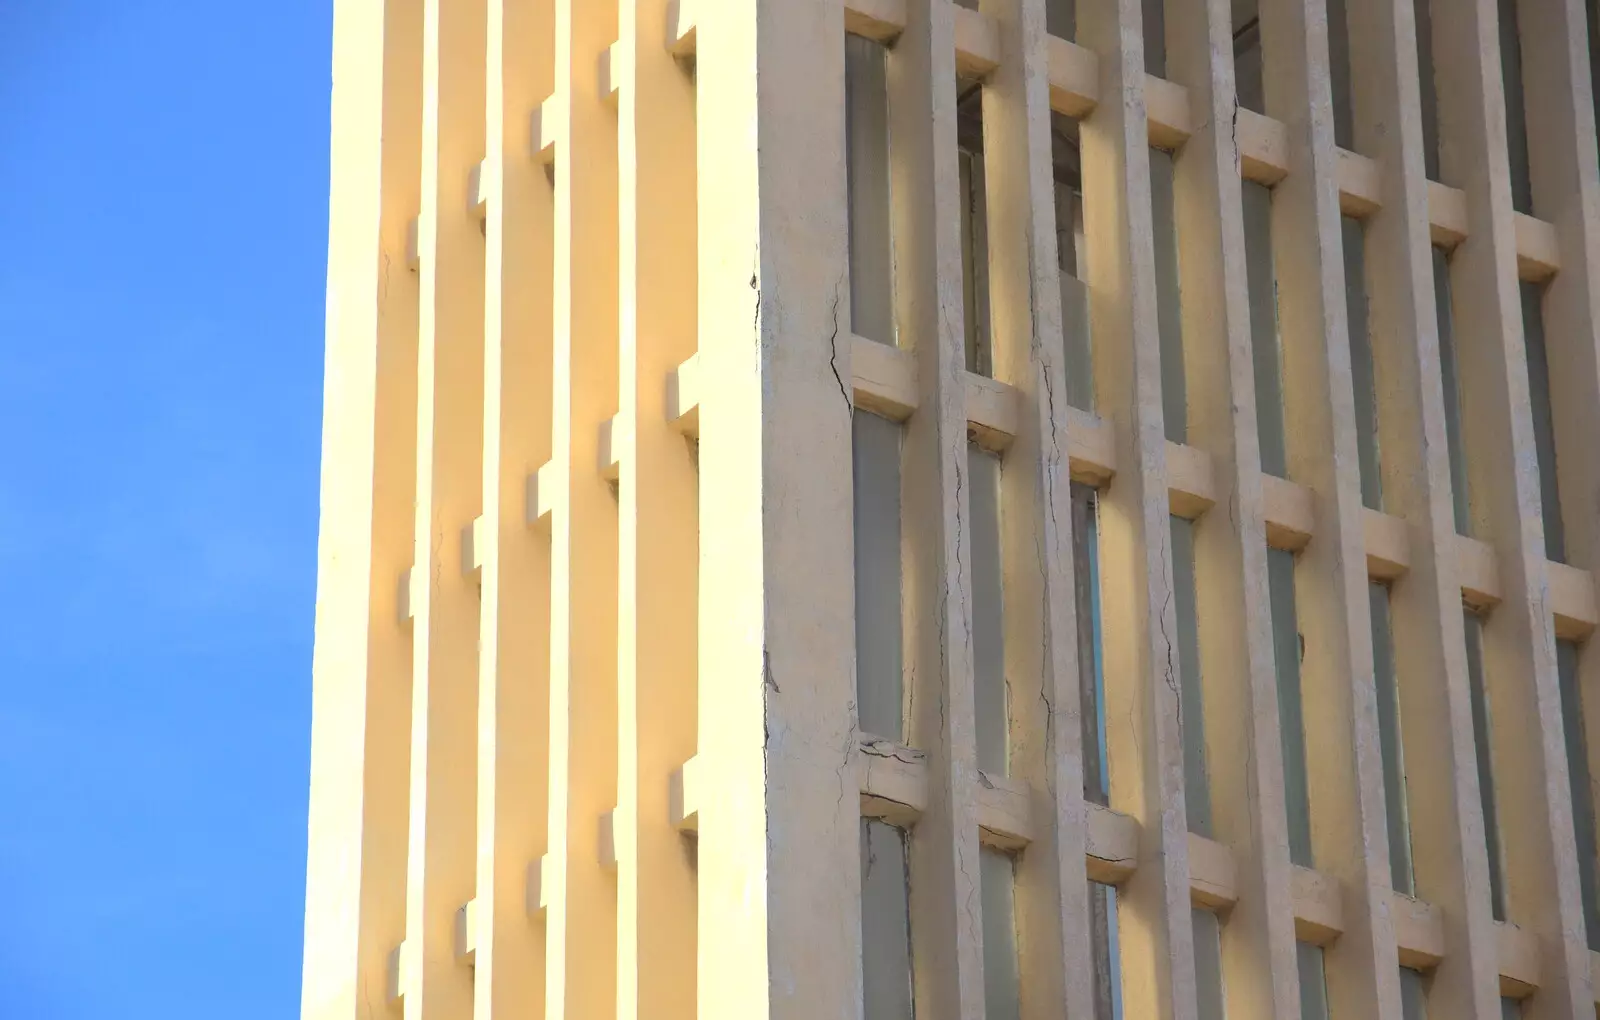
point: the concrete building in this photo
(1011, 509)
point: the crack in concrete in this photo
(884, 749)
(833, 347)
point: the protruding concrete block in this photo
(467, 931)
(539, 885)
(405, 596)
(610, 72)
(545, 129)
(680, 28)
(608, 839)
(478, 189)
(541, 488)
(683, 796)
(683, 397)
(398, 973)
(472, 546)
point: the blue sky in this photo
(163, 208)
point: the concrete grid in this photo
(589, 731)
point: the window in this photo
(1394, 765)
(1363, 372)
(879, 682)
(1481, 736)
(1091, 678)
(1169, 305)
(1286, 657)
(988, 629)
(1001, 984)
(1073, 256)
(867, 175)
(1265, 355)
(885, 923)
(974, 227)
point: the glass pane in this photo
(877, 539)
(1091, 695)
(974, 228)
(1313, 982)
(1481, 736)
(1061, 18)
(1516, 125)
(1413, 995)
(1107, 952)
(1544, 428)
(1430, 91)
(1452, 392)
(1578, 778)
(1001, 987)
(1207, 963)
(885, 923)
(1394, 765)
(867, 162)
(1169, 314)
(988, 632)
(1286, 656)
(1247, 65)
(1363, 374)
(1191, 704)
(1339, 72)
(1073, 256)
(1155, 38)
(1264, 326)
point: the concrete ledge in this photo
(1168, 120)
(1538, 254)
(883, 379)
(1191, 485)
(1318, 912)
(1519, 960)
(1112, 847)
(977, 43)
(1572, 601)
(1289, 513)
(1478, 572)
(881, 20)
(1074, 74)
(992, 411)
(1005, 815)
(1213, 879)
(1418, 932)
(1360, 193)
(1447, 215)
(1263, 147)
(1388, 545)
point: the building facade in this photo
(1001, 509)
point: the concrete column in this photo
(514, 559)
(780, 927)
(659, 538)
(361, 666)
(1446, 830)
(1144, 742)
(1343, 759)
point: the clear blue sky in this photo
(163, 207)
